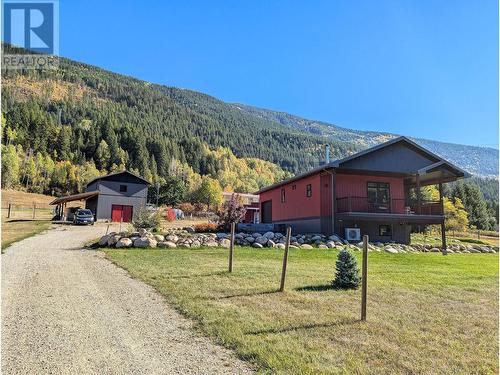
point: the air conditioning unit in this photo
(353, 234)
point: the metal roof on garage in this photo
(75, 197)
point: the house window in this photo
(123, 188)
(294, 187)
(282, 195)
(378, 192)
(384, 230)
(309, 192)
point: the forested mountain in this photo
(61, 128)
(480, 161)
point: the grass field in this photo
(464, 238)
(427, 313)
(17, 230)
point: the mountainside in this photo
(80, 120)
(481, 161)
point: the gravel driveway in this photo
(69, 311)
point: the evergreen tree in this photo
(346, 276)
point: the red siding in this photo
(296, 204)
(356, 186)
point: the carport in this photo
(62, 202)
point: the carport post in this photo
(363, 277)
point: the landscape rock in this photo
(306, 246)
(167, 245)
(269, 235)
(159, 237)
(257, 245)
(225, 243)
(390, 249)
(145, 242)
(124, 242)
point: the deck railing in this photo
(392, 206)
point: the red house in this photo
(374, 192)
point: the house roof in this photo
(74, 197)
(337, 164)
(116, 174)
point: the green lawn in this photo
(427, 313)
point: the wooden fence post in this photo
(363, 277)
(34, 208)
(285, 258)
(231, 247)
(10, 210)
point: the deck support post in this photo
(419, 202)
(443, 227)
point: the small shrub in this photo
(346, 276)
(146, 219)
(206, 228)
(231, 211)
(187, 208)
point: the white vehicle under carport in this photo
(83, 216)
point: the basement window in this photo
(282, 195)
(309, 192)
(384, 230)
(123, 188)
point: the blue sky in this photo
(421, 68)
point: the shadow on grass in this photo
(251, 294)
(220, 273)
(315, 288)
(342, 322)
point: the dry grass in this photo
(427, 313)
(17, 230)
(21, 198)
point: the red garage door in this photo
(121, 213)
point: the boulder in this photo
(145, 242)
(390, 249)
(184, 245)
(211, 243)
(271, 243)
(322, 246)
(104, 240)
(124, 242)
(280, 245)
(225, 242)
(167, 245)
(172, 238)
(269, 235)
(294, 247)
(256, 235)
(190, 229)
(316, 237)
(306, 246)
(261, 240)
(112, 240)
(257, 245)
(330, 244)
(159, 237)
(250, 239)
(222, 235)
(435, 250)
(195, 244)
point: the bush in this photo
(346, 276)
(206, 228)
(147, 219)
(187, 208)
(231, 211)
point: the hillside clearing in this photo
(426, 313)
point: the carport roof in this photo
(75, 197)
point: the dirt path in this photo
(69, 311)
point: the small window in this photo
(384, 230)
(294, 187)
(309, 192)
(282, 195)
(123, 188)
